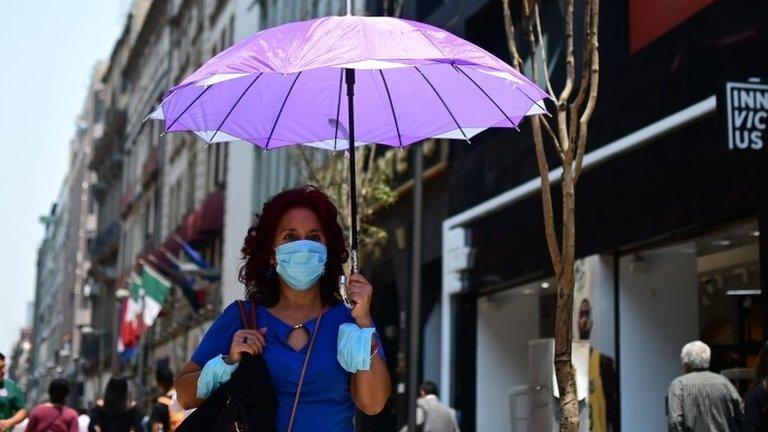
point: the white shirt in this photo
(82, 422)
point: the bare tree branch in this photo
(569, 59)
(546, 198)
(509, 26)
(529, 18)
(552, 135)
(594, 77)
(545, 59)
(584, 81)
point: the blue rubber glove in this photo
(353, 348)
(215, 373)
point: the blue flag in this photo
(192, 254)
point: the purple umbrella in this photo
(405, 82)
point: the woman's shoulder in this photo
(231, 314)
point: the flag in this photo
(189, 285)
(199, 266)
(193, 255)
(178, 265)
(130, 318)
(156, 288)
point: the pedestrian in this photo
(116, 413)
(83, 420)
(756, 399)
(54, 416)
(293, 260)
(166, 414)
(12, 401)
(432, 415)
(701, 400)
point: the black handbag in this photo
(245, 403)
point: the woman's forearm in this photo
(371, 388)
(186, 386)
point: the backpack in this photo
(176, 413)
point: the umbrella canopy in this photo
(285, 86)
(403, 82)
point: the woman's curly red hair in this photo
(260, 280)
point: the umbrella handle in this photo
(343, 292)
(343, 281)
(354, 259)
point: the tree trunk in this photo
(566, 380)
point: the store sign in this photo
(746, 111)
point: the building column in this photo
(763, 260)
(238, 216)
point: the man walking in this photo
(702, 400)
(433, 415)
(12, 401)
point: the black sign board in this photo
(744, 117)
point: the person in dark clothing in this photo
(116, 414)
(756, 399)
(159, 418)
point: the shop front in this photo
(672, 226)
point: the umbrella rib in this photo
(235, 105)
(279, 113)
(531, 99)
(441, 101)
(338, 111)
(188, 107)
(394, 117)
(458, 69)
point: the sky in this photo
(48, 49)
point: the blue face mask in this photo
(301, 263)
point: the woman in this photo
(756, 399)
(53, 416)
(293, 259)
(116, 414)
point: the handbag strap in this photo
(303, 373)
(58, 415)
(248, 324)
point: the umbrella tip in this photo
(162, 134)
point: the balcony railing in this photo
(126, 200)
(113, 129)
(106, 241)
(150, 167)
